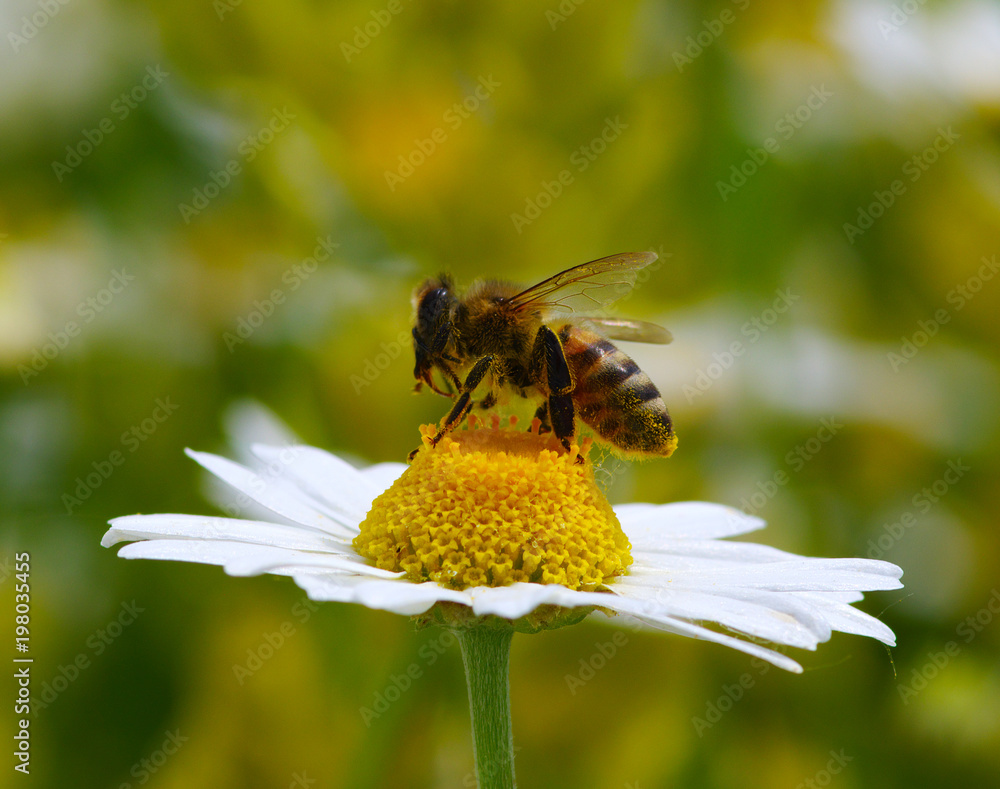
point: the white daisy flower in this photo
(502, 522)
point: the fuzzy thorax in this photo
(491, 506)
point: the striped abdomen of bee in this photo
(614, 397)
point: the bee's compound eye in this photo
(434, 304)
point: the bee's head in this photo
(433, 301)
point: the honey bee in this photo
(517, 338)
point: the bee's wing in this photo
(587, 286)
(631, 331)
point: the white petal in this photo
(635, 609)
(651, 527)
(241, 559)
(516, 600)
(271, 494)
(145, 527)
(287, 562)
(800, 575)
(696, 631)
(334, 481)
(847, 619)
(400, 597)
(382, 475)
(742, 552)
(751, 617)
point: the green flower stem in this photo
(486, 655)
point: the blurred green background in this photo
(822, 182)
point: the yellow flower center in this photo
(490, 506)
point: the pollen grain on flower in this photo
(492, 506)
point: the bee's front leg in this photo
(461, 408)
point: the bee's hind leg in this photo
(542, 415)
(548, 351)
(489, 401)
